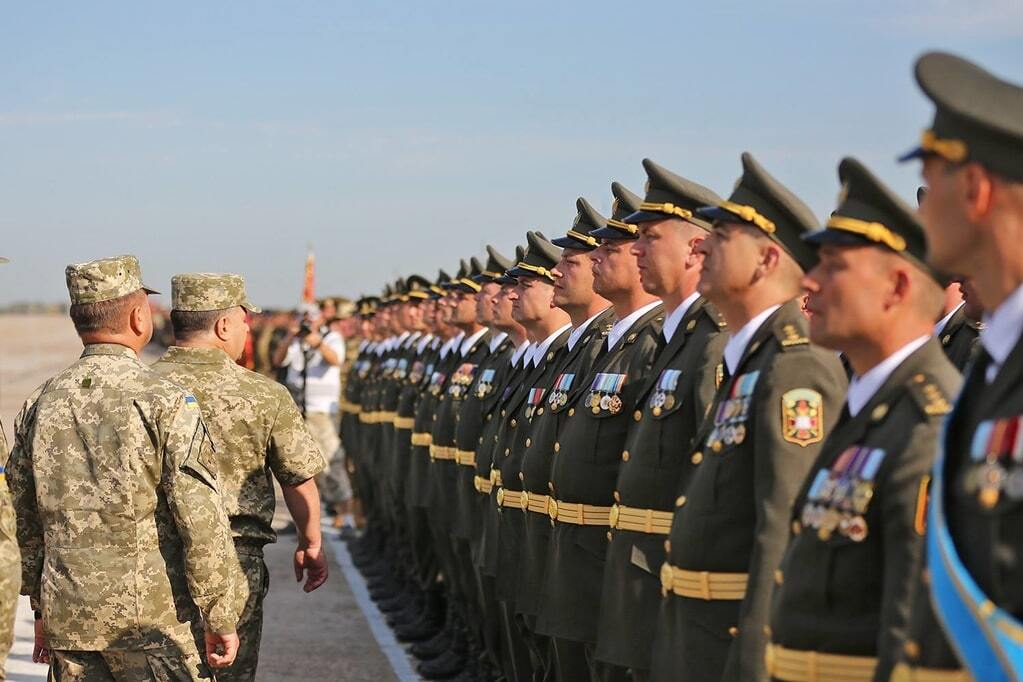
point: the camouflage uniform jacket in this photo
(120, 520)
(256, 429)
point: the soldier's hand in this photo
(40, 650)
(309, 561)
(221, 650)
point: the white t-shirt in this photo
(322, 381)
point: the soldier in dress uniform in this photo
(589, 449)
(257, 430)
(10, 559)
(671, 406)
(120, 517)
(591, 318)
(959, 326)
(548, 327)
(850, 569)
(973, 218)
(778, 399)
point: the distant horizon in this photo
(399, 138)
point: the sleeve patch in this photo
(802, 417)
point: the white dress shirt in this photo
(577, 333)
(541, 350)
(1002, 328)
(940, 327)
(525, 352)
(469, 342)
(451, 343)
(674, 318)
(496, 340)
(862, 389)
(737, 342)
(623, 325)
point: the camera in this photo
(304, 329)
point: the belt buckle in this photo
(613, 517)
(667, 579)
(524, 502)
(552, 509)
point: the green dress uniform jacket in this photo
(758, 443)
(848, 574)
(536, 462)
(673, 402)
(525, 405)
(959, 338)
(586, 457)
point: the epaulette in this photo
(790, 337)
(931, 398)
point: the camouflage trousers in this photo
(250, 624)
(10, 585)
(169, 664)
(333, 482)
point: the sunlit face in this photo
(461, 308)
(573, 279)
(662, 252)
(846, 291)
(412, 315)
(485, 303)
(731, 254)
(974, 310)
(614, 268)
(532, 300)
(237, 332)
(950, 239)
(502, 306)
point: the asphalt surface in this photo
(334, 633)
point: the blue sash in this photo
(988, 640)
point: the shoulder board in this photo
(790, 336)
(929, 396)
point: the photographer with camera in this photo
(311, 355)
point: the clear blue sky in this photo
(397, 137)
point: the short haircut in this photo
(109, 316)
(190, 323)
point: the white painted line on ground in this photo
(392, 648)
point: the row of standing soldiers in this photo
(695, 440)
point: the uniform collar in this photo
(737, 342)
(622, 326)
(578, 332)
(674, 318)
(943, 322)
(1002, 328)
(109, 349)
(471, 341)
(496, 340)
(862, 389)
(541, 349)
(195, 356)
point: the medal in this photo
(658, 399)
(669, 401)
(991, 476)
(656, 411)
(739, 433)
(605, 402)
(615, 404)
(856, 529)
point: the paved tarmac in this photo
(334, 633)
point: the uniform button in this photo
(733, 631)
(779, 577)
(617, 496)
(514, 423)
(767, 630)
(625, 455)
(697, 457)
(925, 577)
(550, 486)
(507, 451)
(495, 439)
(540, 411)
(680, 500)
(637, 415)
(571, 411)
(609, 536)
(557, 447)
(797, 527)
(911, 649)
(489, 417)
(504, 413)
(522, 476)
(481, 440)
(529, 442)
(667, 546)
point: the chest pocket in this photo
(665, 399)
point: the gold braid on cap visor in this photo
(624, 227)
(670, 209)
(541, 271)
(750, 215)
(584, 238)
(950, 150)
(469, 283)
(875, 232)
(490, 274)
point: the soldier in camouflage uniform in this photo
(257, 430)
(121, 523)
(10, 560)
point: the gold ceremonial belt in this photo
(535, 502)
(578, 514)
(813, 666)
(482, 485)
(377, 417)
(702, 584)
(641, 520)
(367, 417)
(510, 498)
(442, 452)
(351, 408)
(905, 673)
(495, 478)
(407, 423)
(466, 458)
(424, 439)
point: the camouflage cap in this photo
(198, 291)
(4, 260)
(104, 279)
